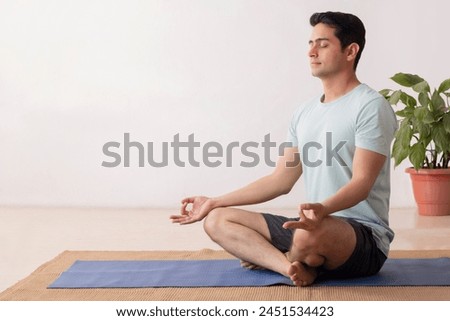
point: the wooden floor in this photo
(31, 236)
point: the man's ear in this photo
(352, 51)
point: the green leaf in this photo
(441, 137)
(399, 153)
(419, 127)
(417, 155)
(421, 87)
(404, 134)
(437, 101)
(428, 119)
(402, 113)
(426, 139)
(424, 131)
(420, 113)
(405, 112)
(446, 122)
(385, 92)
(438, 114)
(424, 115)
(395, 97)
(408, 100)
(445, 85)
(424, 99)
(407, 80)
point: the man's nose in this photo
(312, 52)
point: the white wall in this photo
(77, 74)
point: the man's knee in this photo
(323, 243)
(306, 248)
(213, 221)
(316, 238)
(303, 239)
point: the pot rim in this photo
(428, 171)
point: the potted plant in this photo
(423, 137)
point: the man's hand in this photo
(311, 215)
(201, 206)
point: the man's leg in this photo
(245, 235)
(330, 246)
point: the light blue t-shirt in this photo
(327, 134)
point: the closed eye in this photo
(321, 43)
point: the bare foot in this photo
(251, 266)
(301, 275)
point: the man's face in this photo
(326, 56)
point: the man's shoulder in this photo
(367, 93)
(371, 101)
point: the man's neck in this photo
(338, 86)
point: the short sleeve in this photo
(292, 130)
(375, 126)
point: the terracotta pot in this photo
(431, 189)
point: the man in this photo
(342, 139)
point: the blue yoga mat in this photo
(229, 273)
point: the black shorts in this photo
(365, 260)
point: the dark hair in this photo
(348, 29)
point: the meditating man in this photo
(340, 142)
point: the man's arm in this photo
(280, 181)
(366, 167)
